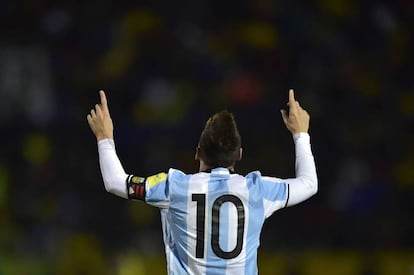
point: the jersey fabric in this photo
(212, 220)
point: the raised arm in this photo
(306, 182)
(113, 174)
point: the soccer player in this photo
(212, 219)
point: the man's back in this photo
(212, 221)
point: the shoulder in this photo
(171, 175)
(173, 172)
(176, 175)
(254, 174)
(256, 177)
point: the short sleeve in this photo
(157, 190)
(152, 190)
(275, 194)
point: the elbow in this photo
(314, 189)
(116, 185)
(314, 186)
(109, 187)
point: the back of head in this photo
(220, 140)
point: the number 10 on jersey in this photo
(215, 225)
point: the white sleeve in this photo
(305, 184)
(113, 174)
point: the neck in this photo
(205, 167)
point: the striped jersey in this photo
(212, 220)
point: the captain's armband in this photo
(136, 188)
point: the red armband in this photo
(136, 188)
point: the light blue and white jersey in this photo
(212, 221)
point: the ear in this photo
(240, 153)
(197, 153)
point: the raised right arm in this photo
(305, 184)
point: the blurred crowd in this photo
(166, 67)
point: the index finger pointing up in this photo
(291, 96)
(103, 100)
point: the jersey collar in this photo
(218, 170)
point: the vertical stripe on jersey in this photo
(177, 221)
(198, 184)
(217, 186)
(254, 224)
(237, 186)
(166, 232)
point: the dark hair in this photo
(220, 140)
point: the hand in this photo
(100, 120)
(297, 121)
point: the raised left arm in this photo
(113, 174)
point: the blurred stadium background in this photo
(166, 66)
